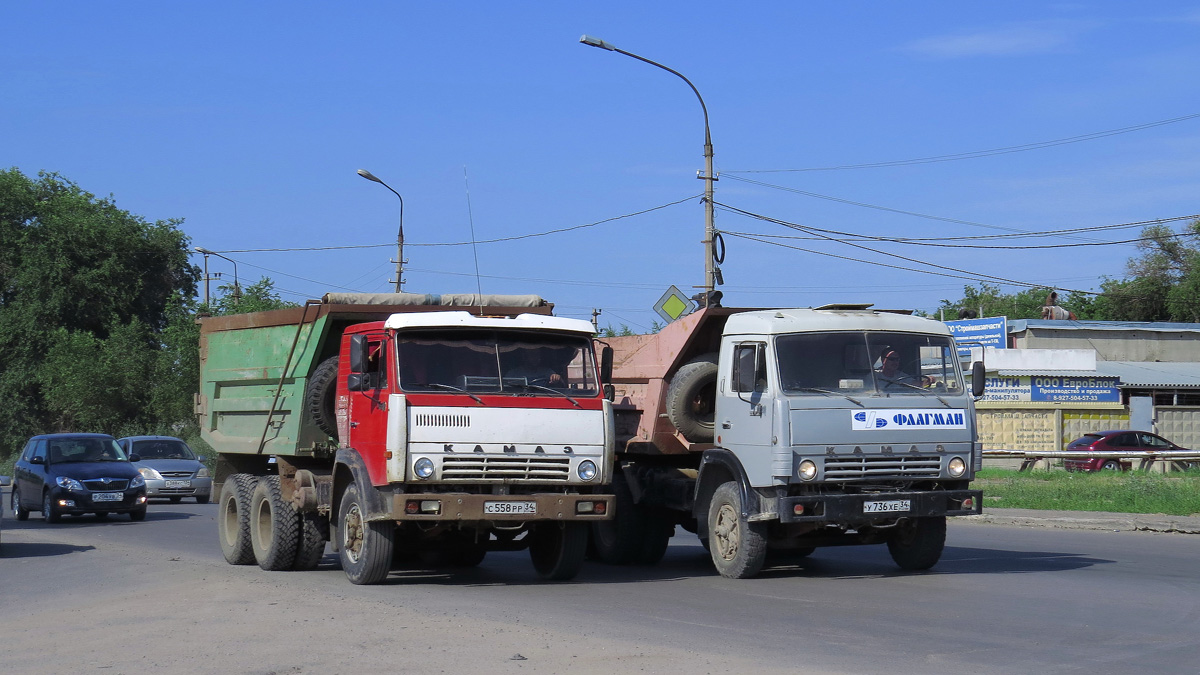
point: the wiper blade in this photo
(539, 387)
(449, 387)
(833, 393)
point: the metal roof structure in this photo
(1141, 374)
(1020, 325)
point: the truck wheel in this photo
(692, 398)
(617, 541)
(233, 518)
(558, 549)
(738, 547)
(19, 511)
(320, 396)
(918, 544)
(311, 547)
(366, 546)
(654, 544)
(274, 526)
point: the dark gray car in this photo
(170, 468)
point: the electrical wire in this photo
(984, 153)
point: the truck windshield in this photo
(891, 364)
(495, 362)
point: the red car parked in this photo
(1120, 440)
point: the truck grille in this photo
(441, 420)
(900, 466)
(557, 469)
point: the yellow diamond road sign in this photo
(674, 304)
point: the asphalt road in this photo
(121, 597)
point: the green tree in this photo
(86, 289)
(1026, 304)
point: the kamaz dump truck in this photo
(787, 430)
(405, 427)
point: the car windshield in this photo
(496, 363)
(162, 449)
(879, 363)
(85, 450)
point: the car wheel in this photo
(176, 500)
(138, 514)
(1111, 465)
(201, 499)
(19, 511)
(101, 515)
(49, 513)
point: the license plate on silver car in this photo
(890, 506)
(499, 508)
(108, 496)
(179, 484)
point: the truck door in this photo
(368, 392)
(745, 411)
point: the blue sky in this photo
(249, 120)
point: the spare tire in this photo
(692, 398)
(320, 396)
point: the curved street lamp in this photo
(237, 291)
(711, 274)
(400, 234)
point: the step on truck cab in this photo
(781, 431)
(406, 430)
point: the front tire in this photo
(49, 513)
(558, 549)
(274, 526)
(233, 518)
(201, 499)
(366, 546)
(138, 515)
(19, 511)
(738, 547)
(918, 544)
(1111, 465)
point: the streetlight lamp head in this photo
(201, 249)
(368, 175)
(596, 42)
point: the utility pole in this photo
(595, 321)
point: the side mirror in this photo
(606, 364)
(358, 354)
(37, 460)
(5, 481)
(135, 458)
(978, 377)
(358, 381)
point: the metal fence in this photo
(1178, 459)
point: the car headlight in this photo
(957, 467)
(69, 484)
(202, 473)
(807, 470)
(423, 467)
(587, 470)
(138, 481)
(149, 474)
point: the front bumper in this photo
(85, 502)
(471, 507)
(851, 508)
(194, 487)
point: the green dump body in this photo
(254, 367)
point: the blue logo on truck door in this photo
(865, 420)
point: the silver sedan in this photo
(170, 468)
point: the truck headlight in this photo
(586, 470)
(957, 467)
(807, 470)
(423, 467)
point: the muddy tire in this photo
(738, 547)
(918, 544)
(557, 550)
(233, 518)
(274, 526)
(366, 546)
(311, 545)
(320, 396)
(617, 541)
(692, 398)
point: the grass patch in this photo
(1176, 493)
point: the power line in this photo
(466, 243)
(984, 153)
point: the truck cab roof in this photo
(458, 319)
(800, 320)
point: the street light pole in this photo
(399, 235)
(237, 290)
(711, 274)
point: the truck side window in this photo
(377, 363)
(749, 367)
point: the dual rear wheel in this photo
(256, 525)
